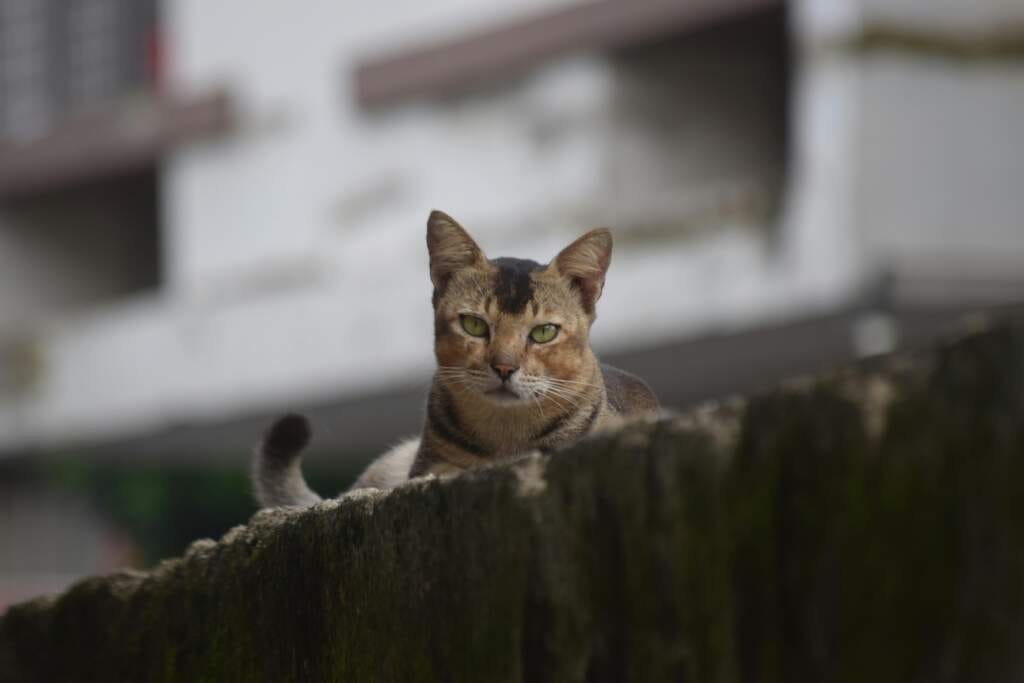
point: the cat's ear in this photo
(451, 248)
(585, 262)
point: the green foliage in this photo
(164, 508)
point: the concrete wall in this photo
(863, 525)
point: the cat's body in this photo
(515, 370)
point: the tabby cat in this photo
(515, 372)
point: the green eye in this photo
(473, 325)
(544, 333)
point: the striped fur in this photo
(498, 395)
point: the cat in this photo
(515, 371)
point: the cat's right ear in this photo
(451, 249)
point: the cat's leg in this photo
(442, 470)
(390, 469)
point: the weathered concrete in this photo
(863, 526)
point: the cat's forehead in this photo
(511, 288)
(513, 283)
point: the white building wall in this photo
(954, 134)
(295, 254)
(69, 252)
(934, 156)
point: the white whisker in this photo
(571, 382)
(558, 403)
(562, 398)
(575, 398)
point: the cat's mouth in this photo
(503, 394)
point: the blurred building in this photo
(214, 211)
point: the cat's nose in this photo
(503, 371)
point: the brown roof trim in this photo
(595, 25)
(127, 135)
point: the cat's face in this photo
(514, 330)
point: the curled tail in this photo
(277, 465)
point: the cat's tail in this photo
(277, 464)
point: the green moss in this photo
(1006, 45)
(801, 536)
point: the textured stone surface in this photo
(866, 525)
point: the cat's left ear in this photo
(451, 248)
(585, 262)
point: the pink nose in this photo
(503, 371)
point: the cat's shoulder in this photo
(627, 393)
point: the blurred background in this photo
(213, 212)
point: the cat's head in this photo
(511, 329)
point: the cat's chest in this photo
(550, 433)
(507, 440)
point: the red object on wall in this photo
(154, 56)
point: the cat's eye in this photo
(544, 333)
(473, 325)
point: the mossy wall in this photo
(862, 526)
